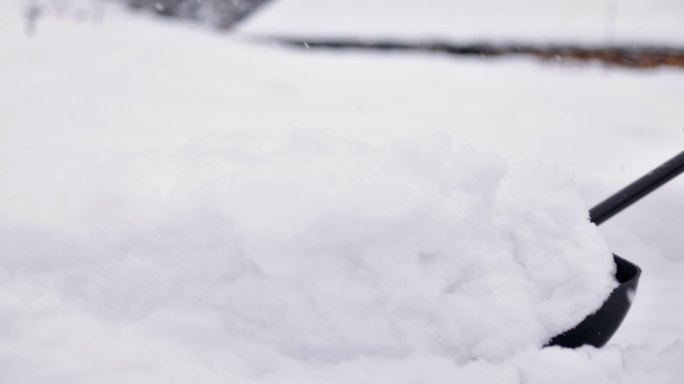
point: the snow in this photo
(490, 21)
(117, 140)
(324, 250)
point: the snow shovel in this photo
(597, 328)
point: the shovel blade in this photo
(597, 328)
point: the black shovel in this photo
(597, 328)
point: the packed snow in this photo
(591, 22)
(178, 206)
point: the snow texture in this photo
(320, 250)
(149, 169)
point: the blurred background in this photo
(640, 33)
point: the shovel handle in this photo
(638, 189)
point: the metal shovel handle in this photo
(638, 189)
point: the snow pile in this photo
(317, 249)
(492, 21)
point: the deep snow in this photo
(99, 121)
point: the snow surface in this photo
(595, 22)
(112, 270)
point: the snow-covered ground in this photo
(592, 22)
(100, 121)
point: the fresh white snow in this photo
(594, 22)
(120, 142)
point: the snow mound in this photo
(315, 249)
